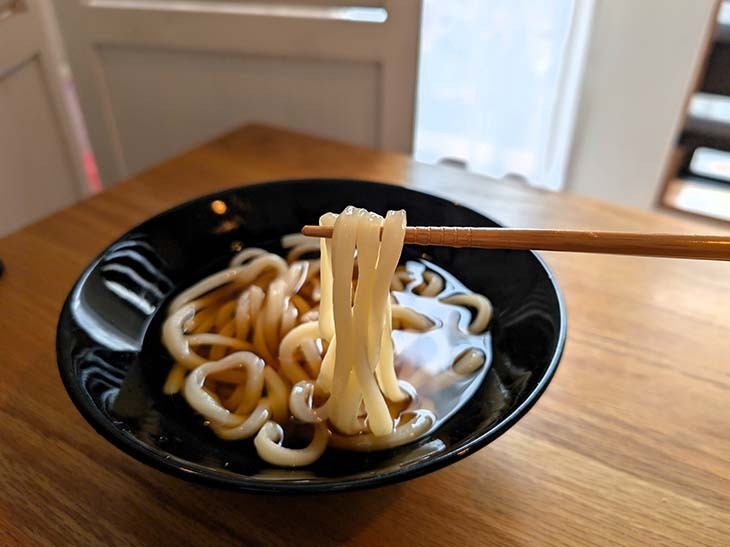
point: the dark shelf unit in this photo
(703, 132)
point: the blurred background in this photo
(622, 100)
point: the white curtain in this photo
(499, 83)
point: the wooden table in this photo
(630, 444)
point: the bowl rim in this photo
(202, 474)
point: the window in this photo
(498, 84)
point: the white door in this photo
(156, 77)
(40, 166)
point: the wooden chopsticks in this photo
(708, 247)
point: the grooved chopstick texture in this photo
(710, 247)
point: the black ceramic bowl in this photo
(113, 365)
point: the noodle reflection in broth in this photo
(307, 342)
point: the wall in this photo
(642, 62)
(40, 166)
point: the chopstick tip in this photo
(311, 231)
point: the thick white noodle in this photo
(273, 310)
(311, 315)
(249, 427)
(483, 306)
(376, 408)
(300, 403)
(314, 266)
(209, 339)
(175, 379)
(469, 361)
(248, 307)
(360, 377)
(224, 314)
(327, 370)
(394, 231)
(312, 356)
(243, 275)
(380, 346)
(294, 240)
(259, 341)
(277, 391)
(411, 319)
(173, 337)
(302, 249)
(404, 433)
(287, 359)
(326, 316)
(433, 286)
(296, 276)
(385, 369)
(288, 319)
(343, 247)
(204, 403)
(268, 445)
(245, 255)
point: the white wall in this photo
(643, 59)
(40, 165)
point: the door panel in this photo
(40, 168)
(166, 101)
(157, 77)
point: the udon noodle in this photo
(271, 344)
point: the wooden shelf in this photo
(704, 198)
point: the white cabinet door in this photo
(40, 169)
(156, 77)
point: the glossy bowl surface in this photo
(113, 365)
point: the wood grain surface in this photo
(630, 445)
